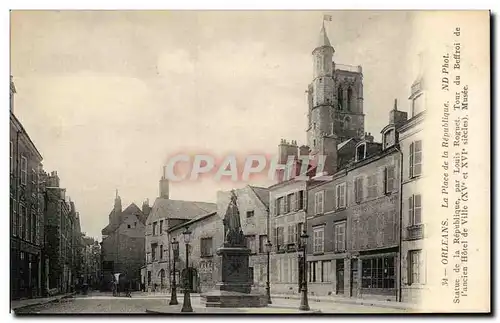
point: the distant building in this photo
(165, 213)
(91, 262)
(26, 214)
(122, 246)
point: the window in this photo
(340, 196)
(312, 271)
(372, 186)
(325, 271)
(14, 216)
(378, 272)
(262, 243)
(154, 228)
(289, 205)
(281, 206)
(340, 237)
(318, 202)
(206, 246)
(300, 228)
(22, 222)
(292, 234)
(293, 202)
(417, 105)
(340, 96)
(161, 252)
(153, 251)
(389, 138)
(358, 189)
(318, 242)
(415, 158)
(33, 178)
(24, 170)
(361, 152)
(135, 224)
(11, 157)
(280, 237)
(161, 226)
(389, 179)
(250, 214)
(28, 227)
(300, 199)
(414, 266)
(349, 99)
(128, 226)
(251, 243)
(415, 209)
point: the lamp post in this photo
(304, 304)
(186, 306)
(268, 287)
(173, 294)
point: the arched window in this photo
(340, 97)
(347, 122)
(349, 99)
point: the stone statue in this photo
(233, 235)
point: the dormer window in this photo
(389, 138)
(361, 152)
(417, 105)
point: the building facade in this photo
(165, 213)
(26, 216)
(122, 246)
(411, 135)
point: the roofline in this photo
(187, 223)
(18, 124)
(258, 197)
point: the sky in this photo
(107, 96)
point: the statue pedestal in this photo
(235, 286)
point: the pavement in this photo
(19, 304)
(158, 303)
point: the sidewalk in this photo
(347, 300)
(18, 304)
(312, 299)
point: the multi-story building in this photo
(26, 217)
(207, 235)
(165, 213)
(411, 137)
(60, 244)
(122, 246)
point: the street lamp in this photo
(186, 306)
(173, 294)
(304, 304)
(268, 287)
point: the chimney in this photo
(397, 117)
(145, 207)
(283, 152)
(164, 186)
(293, 149)
(368, 137)
(303, 150)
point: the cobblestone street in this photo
(140, 303)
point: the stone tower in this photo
(335, 97)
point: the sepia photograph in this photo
(249, 162)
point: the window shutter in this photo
(386, 187)
(423, 267)
(410, 210)
(304, 201)
(411, 160)
(408, 269)
(296, 201)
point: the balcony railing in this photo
(415, 232)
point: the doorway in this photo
(354, 277)
(340, 276)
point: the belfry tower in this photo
(335, 98)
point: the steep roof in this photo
(132, 209)
(179, 209)
(323, 38)
(262, 193)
